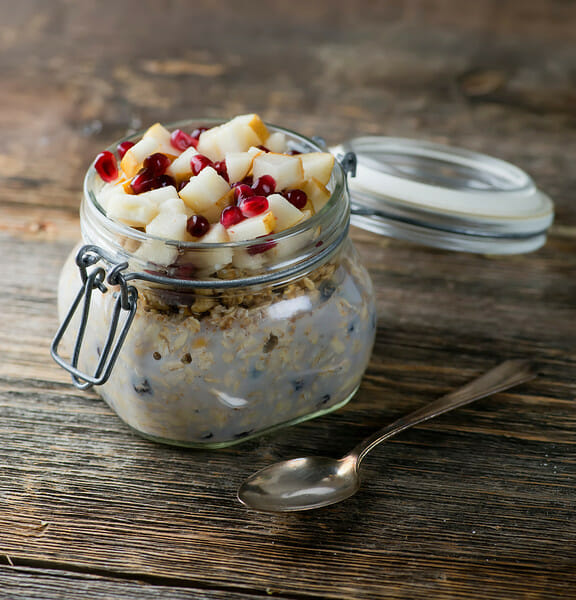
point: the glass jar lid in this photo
(445, 197)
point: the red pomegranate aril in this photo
(264, 185)
(242, 191)
(123, 147)
(230, 216)
(221, 169)
(142, 182)
(181, 140)
(156, 164)
(248, 180)
(263, 148)
(197, 225)
(297, 198)
(253, 206)
(294, 152)
(106, 166)
(164, 181)
(259, 248)
(199, 162)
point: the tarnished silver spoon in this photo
(306, 483)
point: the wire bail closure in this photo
(125, 301)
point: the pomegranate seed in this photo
(123, 147)
(221, 169)
(106, 166)
(264, 185)
(142, 182)
(199, 162)
(248, 180)
(182, 140)
(182, 184)
(199, 131)
(259, 248)
(294, 152)
(253, 206)
(230, 216)
(261, 147)
(197, 225)
(242, 191)
(156, 164)
(297, 198)
(164, 181)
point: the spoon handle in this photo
(502, 377)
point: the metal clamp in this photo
(125, 300)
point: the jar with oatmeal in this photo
(204, 341)
(209, 344)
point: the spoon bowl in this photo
(314, 482)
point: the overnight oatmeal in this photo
(252, 310)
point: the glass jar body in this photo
(207, 368)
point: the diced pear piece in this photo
(160, 195)
(159, 133)
(180, 167)
(134, 157)
(213, 259)
(203, 192)
(318, 194)
(238, 165)
(276, 142)
(168, 225)
(285, 169)
(244, 260)
(236, 135)
(317, 165)
(254, 151)
(131, 209)
(286, 213)
(253, 227)
(175, 205)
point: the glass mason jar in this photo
(207, 345)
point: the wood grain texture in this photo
(480, 503)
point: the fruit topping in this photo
(230, 216)
(106, 166)
(230, 183)
(123, 147)
(253, 206)
(197, 226)
(182, 140)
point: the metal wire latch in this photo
(125, 301)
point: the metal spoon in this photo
(306, 483)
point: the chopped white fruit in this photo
(276, 142)
(242, 259)
(253, 151)
(286, 213)
(131, 209)
(160, 195)
(236, 135)
(317, 193)
(180, 167)
(168, 225)
(159, 133)
(253, 227)
(175, 205)
(317, 165)
(238, 164)
(204, 191)
(285, 169)
(213, 259)
(134, 157)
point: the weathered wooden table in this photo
(476, 504)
